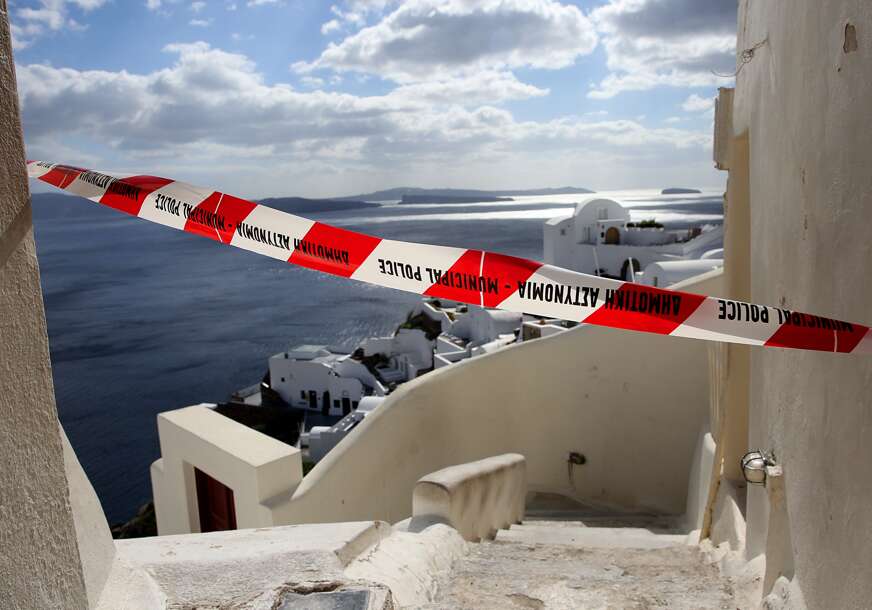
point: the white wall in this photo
(633, 403)
(348, 367)
(289, 377)
(592, 210)
(558, 239)
(411, 341)
(562, 250)
(804, 103)
(666, 273)
(261, 471)
(482, 325)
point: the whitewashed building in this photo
(315, 378)
(599, 238)
(407, 353)
(539, 328)
(478, 331)
(666, 273)
(321, 439)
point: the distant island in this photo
(413, 199)
(397, 194)
(679, 191)
(300, 204)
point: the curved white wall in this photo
(632, 403)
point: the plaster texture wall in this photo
(39, 557)
(632, 403)
(804, 103)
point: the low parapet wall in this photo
(261, 471)
(477, 498)
(631, 403)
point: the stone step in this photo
(580, 535)
(576, 564)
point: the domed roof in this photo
(599, 208)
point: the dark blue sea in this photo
(144, 319)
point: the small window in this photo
(283, 379)
(354, 404)
(303, 394)
(286, 355)
(563, 231)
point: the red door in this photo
(215, 504)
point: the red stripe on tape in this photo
(509, 272)
(789, 335)
(128, 194)
(637, 307)
(217, 216)
(804, 331)
(61, 175)
(461, 281)
(333, 250)
(849, 339)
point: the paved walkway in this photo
(594, 562)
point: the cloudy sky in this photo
(305, 97)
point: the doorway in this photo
(613, 236)
(214, 503)
(626, 273)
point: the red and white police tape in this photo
(469, 276)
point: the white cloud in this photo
(695, 103)
(424, 39)
(52, 18)
(355, 13)
(29, 23)
(89, 5)
(200, 23)
(214, 106)
(261, 2)
(677, 43)
(312, 82)
(479, 88)
(672, 120)
(197, 6)
(330, 26)
(19, 37)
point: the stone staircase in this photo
(577, 561)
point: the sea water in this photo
(143, 319)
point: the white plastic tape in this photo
(457, 274)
